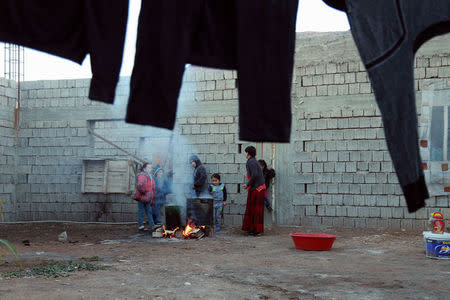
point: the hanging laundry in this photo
(72, 30)
(387, 34)
(255, 37)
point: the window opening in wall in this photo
(239, 148)
(304, 146)
(306, 188)
(435, 137)
(238, 188)
(439, 140)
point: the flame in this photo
(188, 229)
(168, 234)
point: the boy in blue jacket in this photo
(219, 194)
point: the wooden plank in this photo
(95, 166)
(83, 176)
(105, 178)
(94, 175)
(127, 188)
(118, 166)
(96, 181)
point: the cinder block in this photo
(336, 177)
(306, 167)
(331, 68)
(322, 90)
(303, 199)
(339, 78)
(350, 78)
(374, 167)
(350, 166)
(311, 91)
(340, 167)
(344, 156)
(332, 90)
(347, 200)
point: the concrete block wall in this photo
(343, 172)
(335, 172)
(54, 138)
(8, 143)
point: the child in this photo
(162, 189)
(219, 194)
(145, 195)
(268, 175)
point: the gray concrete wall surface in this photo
(8, 151)
(335, 172)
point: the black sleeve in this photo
(224, 193)
(200, 176)
(106, 37)
(251, 173)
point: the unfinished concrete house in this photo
(335, 172)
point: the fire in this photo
(188, 229)
(193, 231)
(169, 233)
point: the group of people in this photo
(152, 186)
(151, 193)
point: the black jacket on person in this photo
(255, 37)
(387, 34)
(72, 29)
(199, 176)
(255, 173)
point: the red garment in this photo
(254, 212)
(145, 189)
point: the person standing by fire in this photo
(219, 193)
(145, 195)
(199, 184)
(254, 212)
(162, 189)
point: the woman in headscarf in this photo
(254, 212)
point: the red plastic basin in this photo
(313, 241)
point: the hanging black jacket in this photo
(72, 29)
(387, 34)
(256, 37)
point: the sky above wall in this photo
(313, 15)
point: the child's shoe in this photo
(217, 228)
(142, 228)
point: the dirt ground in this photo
(361, 265)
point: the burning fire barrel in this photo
(173, 217)
(200, 212)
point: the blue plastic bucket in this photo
(437, 245)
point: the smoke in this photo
(169, 149)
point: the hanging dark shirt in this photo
(387, 34)
(72, 29)
(256, 37)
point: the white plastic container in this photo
(437, 245)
